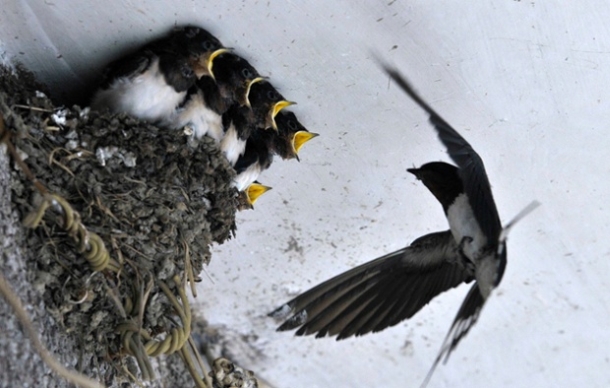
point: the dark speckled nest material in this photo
(151, 194)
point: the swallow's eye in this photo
(272, 95)
(292, 125)
(187, 72)
(208, 45)
(246, 73)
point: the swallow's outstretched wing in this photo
(472, 169)
(380, 293)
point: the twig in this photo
(5, 137)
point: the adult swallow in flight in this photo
(150, 83)
(392, 288)
(210, 98)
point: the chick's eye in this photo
(246, 73)
(209, 45)
(272, 95)
(187, 72)
(292, 125)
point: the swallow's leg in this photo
(465, 240)
(461, 258)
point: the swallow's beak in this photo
(248, 87)
(277, 107)
(254, 191)
(415, 171)
(299, 139)
(209, 61)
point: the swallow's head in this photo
(266, 102)
(196, 40)
(442, 179)
(179, 73)
(234, 76)
(292, 135)
(203, 63)
(250, 195)
(249, 88)
(201, 48)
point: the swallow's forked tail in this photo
(527, 210)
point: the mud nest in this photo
(156, 198)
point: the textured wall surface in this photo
(525, 82)
(20, 365)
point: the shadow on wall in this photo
(75, 83)
(69, 64)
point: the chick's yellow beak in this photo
(277, 107)
(249, 86)
(254, 191)
(300, 138)
(209, 61)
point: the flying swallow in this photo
(392, 288)
(150, 83)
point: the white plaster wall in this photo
(526, 82)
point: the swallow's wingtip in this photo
(298, 319)
(281, 312)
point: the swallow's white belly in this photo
(201, 119)
(146, 96)
(463, 224)
(232, 146)
(246, 177)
